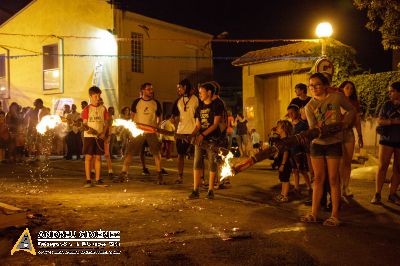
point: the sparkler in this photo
(226, 169)
(130, 125)
(48, 122)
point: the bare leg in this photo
(385, 153)
(97, 166)
(319, 179)
(88, 166)
(157, 161)
(296, 179)
(196, 179)
(345, 166)
(127, 162)
(310, 167)
(211, 181)
(181, 163)
(396, 172)
(285, 189)
(333, 172)
(306, 179)
(142, 157)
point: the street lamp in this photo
(324, 31)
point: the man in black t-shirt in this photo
(302, 99)
(208, 117)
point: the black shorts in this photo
(256, 146)
(330, 151)
(395, 145)
(93, 146)
(3, 144)
(285, 175)
(299, 162)
(182, 146)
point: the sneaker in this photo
(210, 194)
(163, 172)
(111, 176)
(145, 171)
(121, 177)
(394, 198)
(100, 182)
(88, 184)
(160, 179)
(194, 195)
(376, 199)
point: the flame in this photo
(226, 169)
(48, 122)
(130, 125)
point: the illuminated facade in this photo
(56, 50)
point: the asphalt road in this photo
(160, 226)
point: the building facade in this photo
(56, 50)
(269, 77)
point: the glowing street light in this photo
(324, 30)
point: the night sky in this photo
(262, 20)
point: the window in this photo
(2, 66)
(51, 70)
(137, 52)
(4, 92)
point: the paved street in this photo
(241, 226)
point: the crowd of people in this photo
(200, 116)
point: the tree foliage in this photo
(383, 16)
(372, 90)
(343, 58)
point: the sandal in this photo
(281, 198)
(332, 221)
(308, 218)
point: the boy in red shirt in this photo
(95, 118)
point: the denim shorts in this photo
(198, 162)
(395, 145)
(330, 151)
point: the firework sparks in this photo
(226, 169)
(130, 125)
(48, 122)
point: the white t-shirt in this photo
(255, 138)
(146, 111)
(96, 117)
(73, 117)
(185, 107)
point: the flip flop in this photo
(308, 218)
(331, 221)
